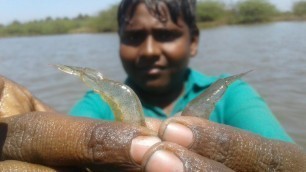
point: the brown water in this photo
(276, 51)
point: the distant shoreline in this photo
(201, 25)
(208, 14)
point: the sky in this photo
(28, 10)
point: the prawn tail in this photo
(229, 80)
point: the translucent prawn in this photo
(126, 105)
(203, 105)
(123, 101)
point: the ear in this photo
(194, 44)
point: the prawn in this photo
(123, 101)
(126, 105)
(204, 104)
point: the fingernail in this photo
(164, 161)
(140, 145)
(179, 134)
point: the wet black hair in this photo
(177, 8)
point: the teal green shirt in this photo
(241, 107)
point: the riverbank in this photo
(281, 18)
(86, 29)
(209, 14)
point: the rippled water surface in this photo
(276, 51)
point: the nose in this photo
(150, 48)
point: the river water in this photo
(276, 52)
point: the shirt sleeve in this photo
(92, 106)
(244, 108)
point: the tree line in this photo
(209, 13)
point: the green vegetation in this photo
(210, 10)
(44, 27)
(209, 13)
(106, 21)
(299, 8)
(254, 11)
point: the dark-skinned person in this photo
(35, 138)
(155, 48)
(157, 40)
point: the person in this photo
(36, 138)
(156, 43)
(34, 133)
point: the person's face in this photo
(155, 53)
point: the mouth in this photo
(152, 70)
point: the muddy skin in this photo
(59, 140)
(15, 99)
(15, 166)
(18, 166)
(240, 150)
(93, 143)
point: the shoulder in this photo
(198, 79)
(203, 81)
(239, 96)
(201, 77)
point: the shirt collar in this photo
(194, 81)
(197, 81)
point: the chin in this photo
(155, 87)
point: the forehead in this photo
(143, 17)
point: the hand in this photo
(38, 135)
(236, 149)
(57, 140)
(15, 99)
(32, 132)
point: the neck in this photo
(165, 100)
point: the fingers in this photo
(15, 99)
(153, 124)
(16, 166)
(168, 156)
(12, 166)
(40, 106)
(237, 149)
(58, 140)
(177, 133)
(140, 146)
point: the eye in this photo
(166, 35)
(133, 38)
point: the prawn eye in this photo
(227, 83)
